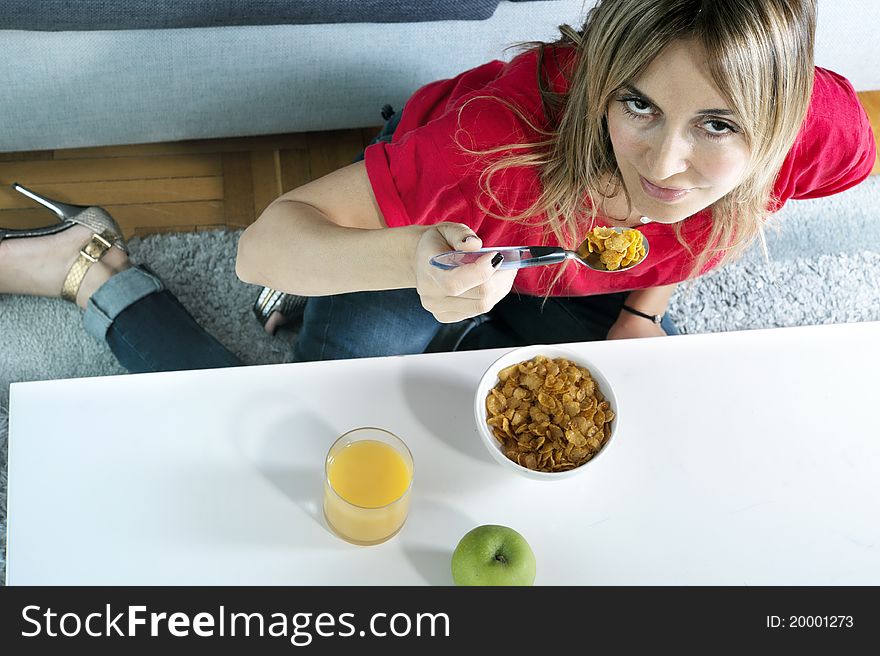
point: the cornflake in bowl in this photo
(545, 412)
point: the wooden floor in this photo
(191, 185)
(179, 186)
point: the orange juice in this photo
(369, 474)
(366, 487)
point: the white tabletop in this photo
(746, 458)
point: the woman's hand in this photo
(629, 325)
(466, 291)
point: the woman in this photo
(704, 117)
(700, 118)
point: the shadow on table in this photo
(444, 406)
(429, 537)
(290, 454)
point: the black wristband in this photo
(656, 318)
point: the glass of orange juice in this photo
(368, 476)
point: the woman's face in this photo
(678, 145)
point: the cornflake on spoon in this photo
(610, 249)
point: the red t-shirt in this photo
(423, 177)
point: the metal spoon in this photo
(522, 257)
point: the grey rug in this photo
(824, 268)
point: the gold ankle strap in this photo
(92, 252)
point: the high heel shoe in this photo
(106, 234)
(271, 300)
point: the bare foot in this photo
(37, 266)
(274, 322)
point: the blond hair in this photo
(760, 56)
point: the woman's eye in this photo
(638, 106)
(719, 127)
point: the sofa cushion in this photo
(61, 15)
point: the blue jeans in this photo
(367, 324)
(154, 332)
(148, 329)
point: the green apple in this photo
(493, 555)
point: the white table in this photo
(749, 458)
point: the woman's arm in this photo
(329, 237)
(650, 301)
(296, 248)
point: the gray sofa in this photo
(97, 72)
(101, 72)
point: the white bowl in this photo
(490, 379)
